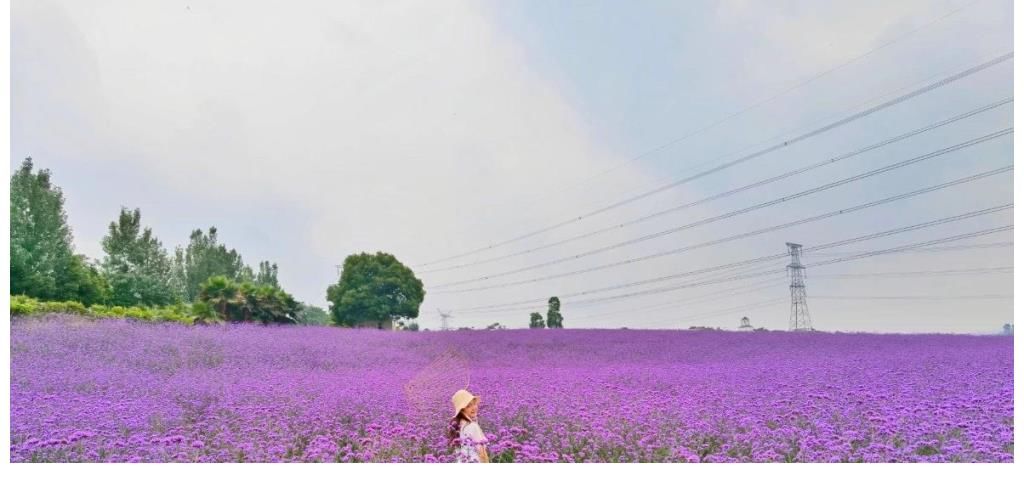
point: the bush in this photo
(26, 306)
(23, 305)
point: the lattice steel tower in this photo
(444, 318)
(799, 316)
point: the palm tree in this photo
(219, 292)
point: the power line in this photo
(741, 189)
(765, 100)
(914, 297)
(741, 211)
(747, 234)
(700, 299)
(828, 127)
(922, 273)
(927, 250)
(894, 231)
(762, 285)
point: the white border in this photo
(583, 473)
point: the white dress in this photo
(471, 437)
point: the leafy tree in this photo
(204, 258)
(536, 321)
(136, 264)
(374, 288)
(413, 327)
(221, 293)
(267, 275)
(43, 264)
(311, 315)
(554, 316)
(83, 282)
(495, 326)
(246, 301)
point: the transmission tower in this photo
(799, 315)
(444, 318)
(745, 323)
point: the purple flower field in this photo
(130, 392)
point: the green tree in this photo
(536, 321)
(204, 258)
(136, 265)
(267, 275)
(374, 288)
(248, 302)
(43, 264)
(83, 282)
(554, 316)
(222, 294)
(311, 315)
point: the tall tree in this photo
(554, 314)
(267, 274)
(136, 264)
(204, 258)
(374, 288)
(312, 315)
(43, 264)
(536, 321)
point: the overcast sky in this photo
(308, 131)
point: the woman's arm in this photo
(482, 451)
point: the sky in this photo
(309, 131)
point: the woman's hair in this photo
(454, 430)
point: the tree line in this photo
(136, 269)
(204, 280)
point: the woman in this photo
(465, 432)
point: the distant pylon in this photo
(799, 315)
(745, 323)
(444, 318)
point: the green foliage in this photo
(374, 288)
(554, 316)
(245, 301)
(136, 265)
(43, 264)
(204, 258)
(23, 306)
(267, 275)
(220, 293)
(311, 315)
(536, 321)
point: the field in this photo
(122, 391)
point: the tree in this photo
(554, 316)
(83, 282)
(248, 302)
(495, 326)
(204, 258)
(311, 315)
(43, 263)
(136, 264)
(374, 288)
(267, 274)
(221, 294)
(536, 321)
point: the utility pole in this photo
(444, 318)
(799, 315)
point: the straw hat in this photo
(461, 399)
